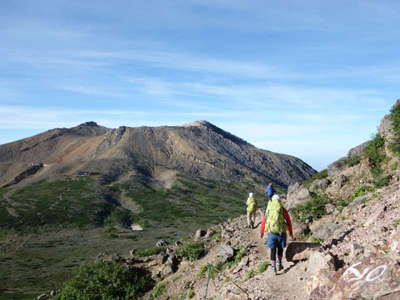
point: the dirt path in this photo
(239, 284)
(290, 283)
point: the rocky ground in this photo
(360, 260)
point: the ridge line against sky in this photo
(307, 79)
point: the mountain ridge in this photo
(93, 141)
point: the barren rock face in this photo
(297, 194)
(199, 149)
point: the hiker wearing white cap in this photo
(251, 210)
(276, 222)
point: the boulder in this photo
(339, 182)
(394, 244)
(336, 166)
(386, 128)
(136, 227)
(358, 150)
(330, 208)
(161, 243)
(295, 248)
(199, 234)
(319, 261)
(167, 270)
(326, 227)
(297, 194)
(386, 131)
(209, 233)
(320, 184)
(300, 230)
(225, 253)
(372, 277)
(243, 263)
(302, 255)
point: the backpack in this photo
(251, 204)
(275, 219)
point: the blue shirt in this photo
(269, 191)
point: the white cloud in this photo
(94, 90)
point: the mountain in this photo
(68, 193)
(134, 169)
(151, 153)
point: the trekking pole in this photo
(244, 291)
(210, 275)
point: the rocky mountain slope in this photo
(199, 149)
(347, 232)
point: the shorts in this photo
(275, 240)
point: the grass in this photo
(69, 221)
(314, 209)
(396, 223)
(316, 240)
(190, 294)
(382, 181)
(190, 204)
(192, 250)
(263, 267)
(149, 251)
(157, 291)
(353, 160)
(70, 202)
(361, 191)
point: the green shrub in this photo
(190, 294)
(395, 118)
(316, 240)
(110, 232)
(395, 166)
(149, 251)
(344, 202)
(192, 250)
(382, 181)
(320, 175)
(353, 160)
(107, 280)
(313, 209)
(120, 216)
(203, 271)
(263, 266)
(157, 291)
(362, 190)
(375, 154)
(250, 274)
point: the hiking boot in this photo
(274, 271)
(280, 267)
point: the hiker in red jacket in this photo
(276, 222)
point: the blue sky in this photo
(306, 78)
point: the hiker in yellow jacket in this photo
(251, 210)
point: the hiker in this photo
(269, 191)
(275, 223)
(251, 210)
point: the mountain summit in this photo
(197, 149)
